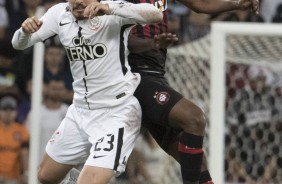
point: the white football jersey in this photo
(97, 52)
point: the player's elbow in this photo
(17, 46)
(157, 17)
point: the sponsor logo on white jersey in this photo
(83, 50)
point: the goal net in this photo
(234, 75)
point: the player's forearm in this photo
(143, 13)
(160, 41)
(212, 6)
(23, 40)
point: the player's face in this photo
(77, 7)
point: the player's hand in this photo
(164, 40)
(31, 25)
(96, 9)
(252, 5)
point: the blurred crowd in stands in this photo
(154, 166)
(253, 125)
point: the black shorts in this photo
(157, 99)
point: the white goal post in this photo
(219, 32)
(36, 100)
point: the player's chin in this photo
(79, 15)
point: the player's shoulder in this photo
(60, 7)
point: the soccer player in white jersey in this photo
(102, 124)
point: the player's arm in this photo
(34, 30)
(24, 37)
(218, 6)
(164, 40)
(140, 13)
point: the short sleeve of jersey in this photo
(50, 21)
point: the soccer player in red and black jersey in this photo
(164, 108)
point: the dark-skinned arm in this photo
(218, 6)
(137, 45)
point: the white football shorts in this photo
(104, 137)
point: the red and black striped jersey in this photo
(148, 31)
(153, 59)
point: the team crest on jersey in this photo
(95, 24)
(161, 5)
(162, 97)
